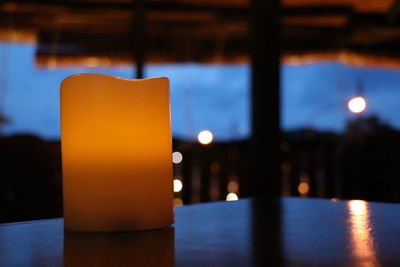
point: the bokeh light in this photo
(205, 137)
(357, 104)
(232, 197)
(233, 187)
(303, 188)
(215, 166)
(177, 157)
(177, 185)
(178, 202)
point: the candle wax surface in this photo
(116, 153)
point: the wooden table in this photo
(249, 232)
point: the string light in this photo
(357, 104)
(177, 185)
(177, 157)
(205, 137)
(232, 197)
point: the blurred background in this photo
(333, 92)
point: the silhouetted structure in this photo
(30, 180)
(370, 165)
(360, 164)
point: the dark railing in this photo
(362, 163)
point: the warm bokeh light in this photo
(303, 188)
(233, 187)
(214, 193)
(177, 185)
(286, 167)
(361, 229)
(232, 197)
(357, 104)
(178, 202)
(205, 137)
(177, 157)
(215, 166)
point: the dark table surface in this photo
(249, 232)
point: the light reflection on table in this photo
(248, 232)
(361, 234)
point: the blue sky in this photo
(214, 97)
(316, 95)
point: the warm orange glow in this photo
(215, 166)
(357, 104)
(205, 137)
(322, 20)
(232, 197)
(177, 185)
(214, 192)
(92, 62)
(345, 57)
(178, 202)
(116, 153)
(233, 187)
(18, 35)
(286, 166)
(52, 63)
(177, 157)
(303, 188)
(362, 242)
(380, 6)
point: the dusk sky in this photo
(214, 97)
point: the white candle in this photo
(116, 153)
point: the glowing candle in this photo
(116, 153)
